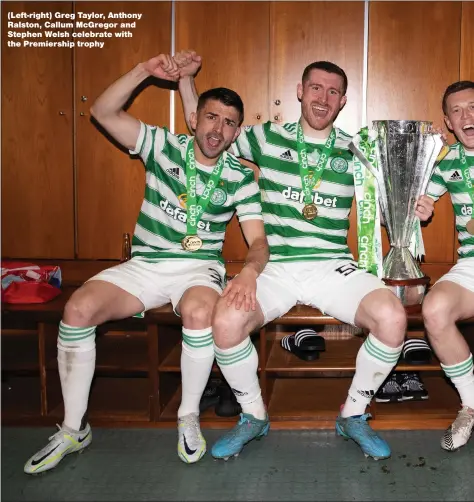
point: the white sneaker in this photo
(191, 443)
(459, 432)
(60, 444)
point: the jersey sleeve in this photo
(246, 145)
(437, 186)
(150, 141)
(248, 199)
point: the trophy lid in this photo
(403, 126)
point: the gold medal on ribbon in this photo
(470, 226)
(310, 211)
(191, 243)
(311, 178)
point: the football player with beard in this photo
(307, 184)
(193, 188)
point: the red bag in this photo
(29, 283)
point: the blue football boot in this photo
(357, 429)
(233, 442)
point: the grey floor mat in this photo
(139, 464)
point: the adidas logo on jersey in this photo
(466, 210)
(286, 155)
(456, 176)
(173, 171)
(292, 194)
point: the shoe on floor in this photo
(357, 429)
(210, 396)
(233, 442)
(227, 406)
(60, 444)
(191, 443)
(459, 432)
(390, 391)
(412, 387)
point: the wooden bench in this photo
(138, 371)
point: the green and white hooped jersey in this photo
(448, 177)
(161, 224)
(291, 237)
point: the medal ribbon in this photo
(309, 181)
(368, 218)
(466, 173)
(195, 207)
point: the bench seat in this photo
(137, 381)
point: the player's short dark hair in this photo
(328, 67)
(462, 85)
(225, 96)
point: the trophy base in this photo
(400, 265)
(410, 291)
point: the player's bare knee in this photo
(437, 313)
(80, 310)
(228, 325)
(224, 320)
(389, 320)
(197, 314)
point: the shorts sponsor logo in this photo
(298, 196)
(239, 392)
(216, 278)
(339, 165)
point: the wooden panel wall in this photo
(413, 56)
(110, 185)
(37, 145)
(257, 48)
(467, 42)
(304, 32)
(235, 56)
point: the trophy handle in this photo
(438, 146)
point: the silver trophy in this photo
(405, 152)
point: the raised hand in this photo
(445, 149)
(162, 66)
(188, 62)
(441, 132)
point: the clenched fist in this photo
(162, 66)
(188, 63)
